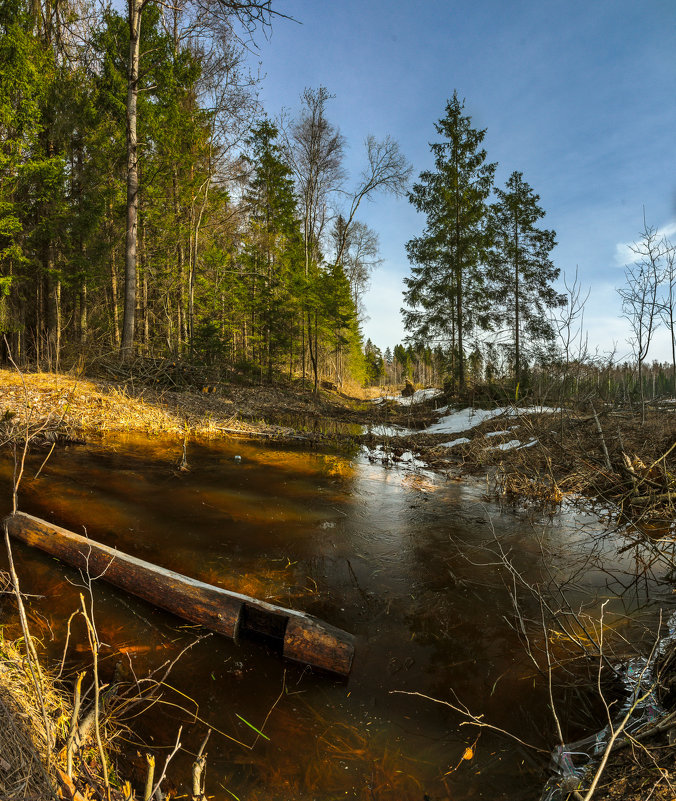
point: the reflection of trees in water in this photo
(372, 553)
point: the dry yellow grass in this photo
(78, 404)
(23, 743)
(75, 404)
(72, 404)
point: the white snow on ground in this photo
(507, 446)
(512, 445)
(454, 442)
(462, 420)
(467, 419)
(497, 433)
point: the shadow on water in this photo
(404, 560)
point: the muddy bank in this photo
(81, 405)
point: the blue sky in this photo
(579, 96)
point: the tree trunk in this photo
(458, 289)
(127, 343)
(312, 351)
(142, 277)
(57, 324)
(191, 281)
(459, 311)
(53, 306)
(517, 310)
(114, 305)
(673, 345)
(181, 326)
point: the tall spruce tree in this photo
(273, 252)
(30, 177)
(521, 270)
(445, 291)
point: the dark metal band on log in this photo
(305, 639)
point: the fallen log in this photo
(303, 638)
(645, 500)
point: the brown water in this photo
(402, 559)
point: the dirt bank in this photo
(85, 406)
(624, 458)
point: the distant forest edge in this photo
(150, 208)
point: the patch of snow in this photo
(528, 444)
(454, 442)
(453, 422)
(497, 433)
(507, 446)
(418, 396)
(534, 410)
(463, 420)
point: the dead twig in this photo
(472, 719)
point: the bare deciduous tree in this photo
(359, 256)
(667, 302)
(315, 149)
(639, 295)
(387, 170)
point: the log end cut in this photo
(312, 642)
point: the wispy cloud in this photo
(623, 250)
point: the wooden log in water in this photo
(304, 638)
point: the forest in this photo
(151, 208)
(481, 514)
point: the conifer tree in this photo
(375, 364)
(273, 252)
(30, 177)
(206, 23)
(445, 291)
(521, 270)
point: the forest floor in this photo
(624, 459)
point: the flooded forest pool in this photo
(407, 561)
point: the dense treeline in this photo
(148, 206)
